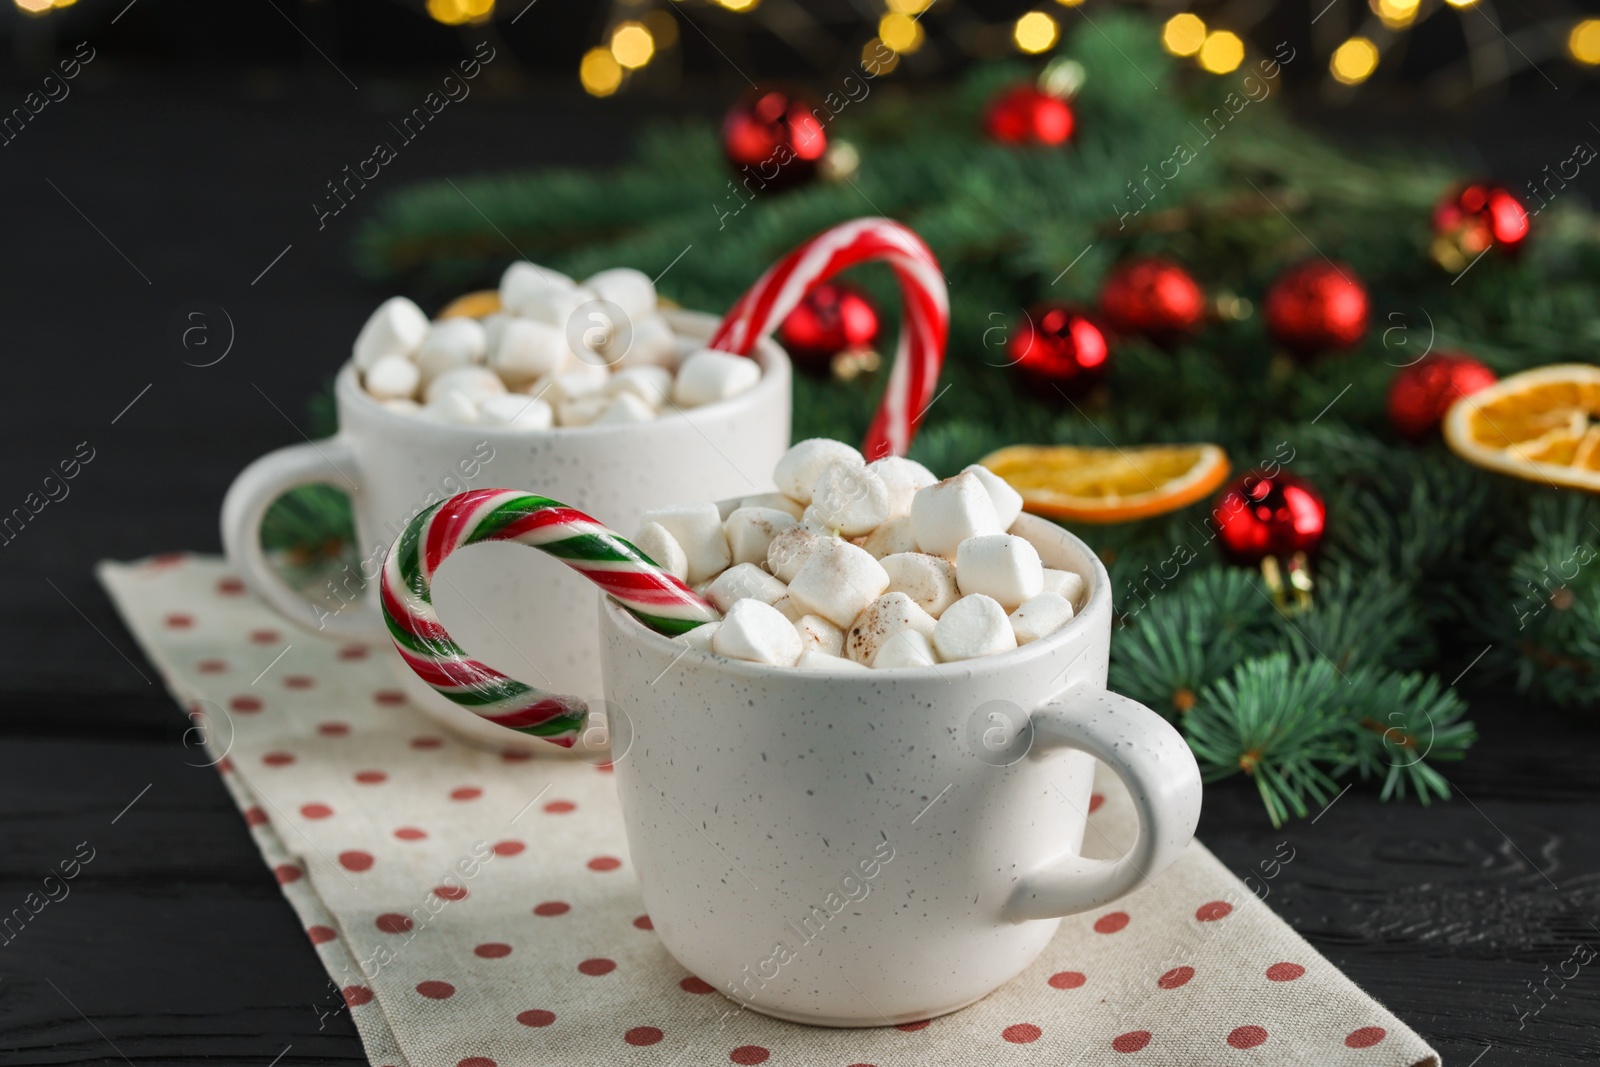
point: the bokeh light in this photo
(1035, 32)
(1396, 14)
(632, 45)
(1183, 34)
(900, 32)
(600, 72)
(1222, 53)
(878, 58)
(1354, 61)
(1584, 42)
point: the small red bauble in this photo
(1471, 218)
(1152, 298)
(1027, 115)
(1057, 346)
(1422, 393)
(832, 318)
(774, 139)
(1317, 307)
(1260, 516)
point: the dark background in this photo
(186, 159)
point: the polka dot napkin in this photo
(479, 910)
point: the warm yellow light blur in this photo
(1069, 3)
(1396, 14)
(663, 26)
(909, 7)
(449, 12)
(477, 10)
(1461, 3)
(1354, 61)
(1584, 42)
(878, 58)
(632, 45)
(64, 3)
(1222, 52)
(738, 5)
(1183, 34)
(33, 7)
(1034, 32)
(600, 72)
(900, 32)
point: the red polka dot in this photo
(436, 990)
(333, 729)
(642, 1035)
(299, 681)
(1247, 1036)
(560, 807)
(477, 1061)
(230, 587)
(1176, 977)
(536, 1017)
(1067, 980)
(516, 755)
(244, 705)
(493, 950)
(1210, 913)
(278, 759)
(356, 995)
(604, 863)
(410, 833)
(264, 637)
(225, 765)
(372, 777)
(1111, 922)
(596, 967)
(255, 817)
(1132, 1041)
(910, 1028)
(393, 923)
(697, 986)
(745, 1055)
(179, 621)
(355, 860)
(353, 652)
(211, 666)
(552, 907)
(1021, 1033)
(1365, 1037)
(287, 872)
(316, 811)
(1095, 800)
(1285, 972)
(643, 923)
(320, 935)
(388, 697)
(450, 892)
(427, 742)
(466, 792)
(508, 848)
(167, 559)
(604, 768)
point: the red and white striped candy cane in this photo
(925, 324)
(653, 596)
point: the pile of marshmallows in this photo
(854, 565)
(551, 356)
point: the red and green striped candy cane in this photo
(653, 596)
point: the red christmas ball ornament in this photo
(1471, 218)
(1154, 298)
(1260, 516)
(1027, 114)
(773, 139)
(1057, 346)
(1317, 307)
(830, 319)
(1420, 394)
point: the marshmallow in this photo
(903, 477)
(581, 411)
(892, 537)
(650, 343)
(789, 608)
(522, 279)
(392, 377)
(1006, 500)
(1001, 566)
(626, 408)
(397, 328)
(1068, 584)
(662, 548)
(792, 546)
(776, 501)
(708, 376)
(453, 407)
(750, 532)
(743, 581)
(698, 530)
(558, 306)
(928, 580)
(451, 343)
(516, 411)
(908, 648)
(838, 582)
(651, 384)
(701, 636)
(528, 350)
(813, 660)
(475, 383)
(820, 634)
(849, 498)
(759, 633)
(629, 289)
(580, 379)
(1040, 616)
(799, 468)
(973, 626)
(405, 405)
(881, 620)
(947, 513)
(494, 329)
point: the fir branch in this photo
(1396, 723)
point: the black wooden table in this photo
(131, 206)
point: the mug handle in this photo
(1162, 777)
(330, 461)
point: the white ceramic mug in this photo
(518, 611)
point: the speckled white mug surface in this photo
(862, 848)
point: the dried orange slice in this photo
(472, 305)
(1542, 425)
(1109, 484)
